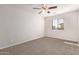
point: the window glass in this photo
(58, 24)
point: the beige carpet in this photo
(42, 46)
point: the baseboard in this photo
(72, 41)
(20, 42)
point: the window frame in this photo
(58, 19)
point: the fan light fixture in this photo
(45, 9)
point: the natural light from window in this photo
(58, 24)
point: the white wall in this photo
(70, 27)
(19, 26)
(78, 27)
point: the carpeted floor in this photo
(42, 46)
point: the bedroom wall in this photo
(70, 27)
(78, 26)
(19, 26)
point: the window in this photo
(58, 24)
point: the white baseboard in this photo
(71, 43)
(21, 42)
(62, 38)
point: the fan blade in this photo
(36, 8)
(52, 7)
(40, 12)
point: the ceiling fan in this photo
(45, 8)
